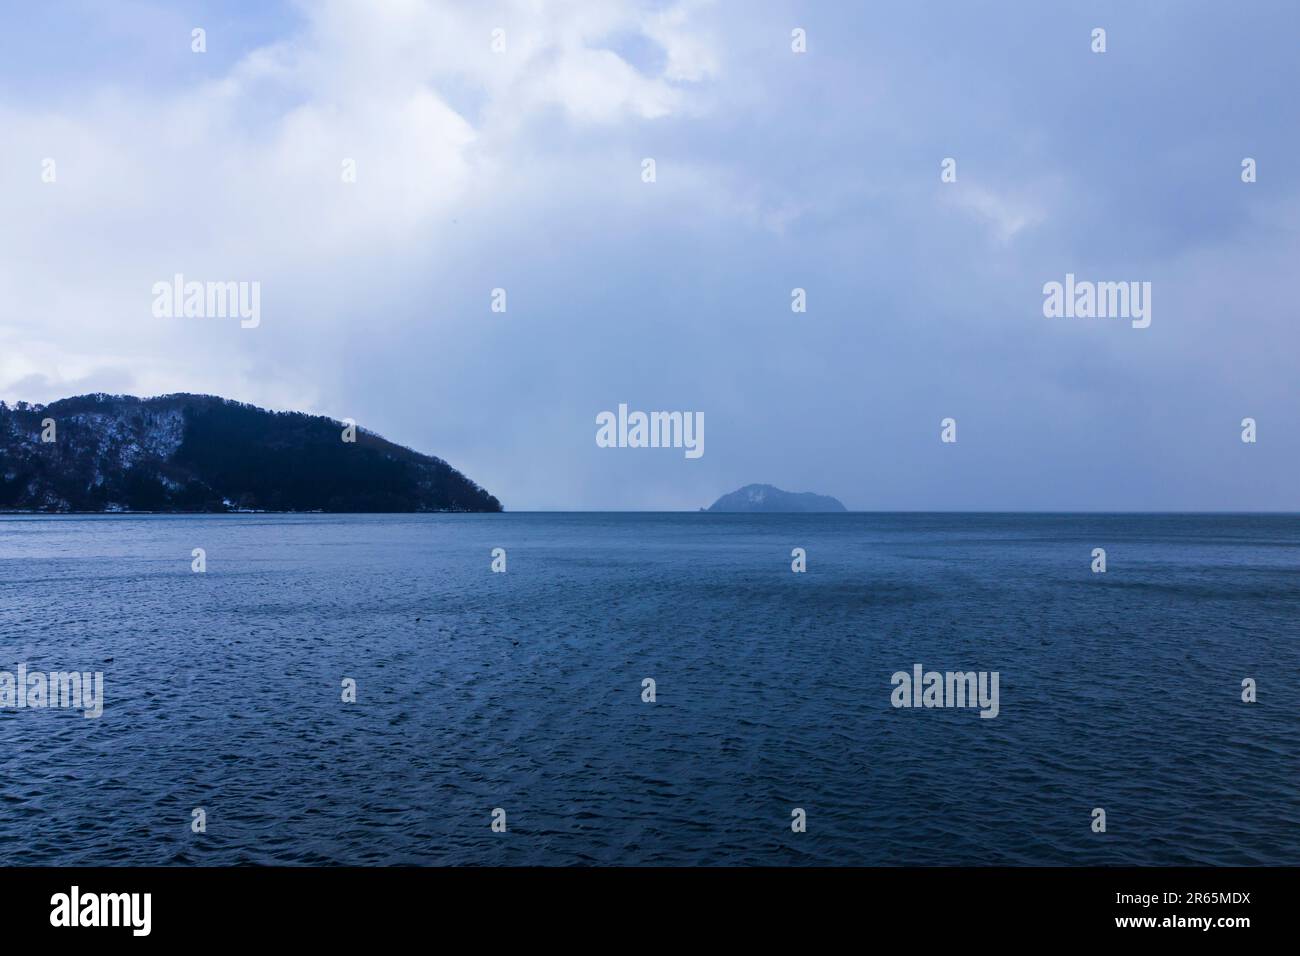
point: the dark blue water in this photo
(523, 690)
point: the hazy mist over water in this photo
(522, 690)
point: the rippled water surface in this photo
(523, 690)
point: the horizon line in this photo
(641, 511)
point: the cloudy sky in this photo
(521, 169)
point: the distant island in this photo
(764, 499)
(201, 453)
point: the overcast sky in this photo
(522, 170)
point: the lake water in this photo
(523, 690)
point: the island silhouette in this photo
(202, 453)
(766, 499)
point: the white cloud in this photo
(1005, 214)
(238, 178)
